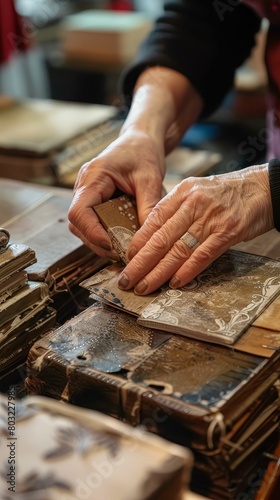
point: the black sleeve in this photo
(203, 41)
(274, 183)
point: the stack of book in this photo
(25, 312)
(212, 388)
(36, 216)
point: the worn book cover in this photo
(221, 303)
(26, 297)
(12, 284)
(43, 226)
(79, 454)
(15, 257)
(101, 339)
(18, 336)
(41, 126)
(185, 390)
(119, 217)
(218, 306)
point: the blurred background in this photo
(75, 51)
(64, 75)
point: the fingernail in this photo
(131, 253)
(112, 255)
(175, 282)
(123, 281)
(105, 245)
(141, 287)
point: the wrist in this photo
(151, 113)
(164, 105)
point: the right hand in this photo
(164, 105)
(134, 163)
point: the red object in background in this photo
(124, 5)
(13, 33)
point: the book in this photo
(218, 306)
(119, 217)
(221, 403)
(12, 284)
(24, 312)
(36, 217)
(30, 294)
(221, 303)
(40, 126)
(104, 37)
(15, 257)
(17, 338)
(48, 140)
(82, 454)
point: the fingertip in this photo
(112, 255)
(106, 245)
(175, 282)
(132, 251)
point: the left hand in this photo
(218, 211)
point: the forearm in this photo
(164, 105)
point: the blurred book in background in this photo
(37, 135)
(104, 37)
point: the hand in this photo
(134, 163)
(218, 211)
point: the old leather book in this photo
(24, 306)
(15, 257)
(32, 293)
(18, 336)
(79, 454)
(207, 397)
(12, 284)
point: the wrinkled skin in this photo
(219, 211)
(117, 167)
